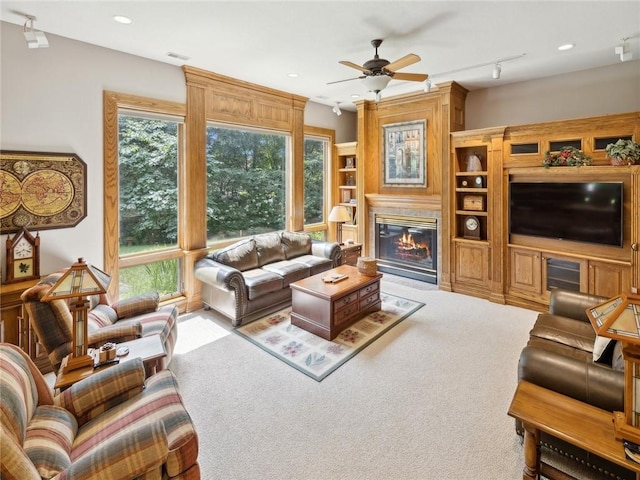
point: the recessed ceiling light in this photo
(122, 19)
(355, 95)
(292, 75)
(566, 46)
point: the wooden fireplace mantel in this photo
(413, 202)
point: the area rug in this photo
(315, 356)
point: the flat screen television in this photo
(588, 212)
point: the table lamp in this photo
(78, 282)
(619, 318)
(339, 214)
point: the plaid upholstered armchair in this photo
(112, 425)
(108, 322)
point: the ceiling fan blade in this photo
(405, 61)
(412, 77)
(353, 65)
(346, 80)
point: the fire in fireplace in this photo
(407, 246)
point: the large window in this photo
(318, 143)
(246, 182)
(316, 160)
(148, 156)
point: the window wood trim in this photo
(112, 103)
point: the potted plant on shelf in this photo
(566, 157)
(623, 152)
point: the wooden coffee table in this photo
(325, 309)
(149, 348)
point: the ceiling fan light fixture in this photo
(497, 69)
(376, 83)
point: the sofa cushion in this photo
(101, 316)
(260, 282)
(269, 247)
(241, 255)
(289, 270)
(138, 305)
(18, 394)
(14, 462)
(565, 331)
(296, 244)
(160, 401)
(50, 435)
(315, 264)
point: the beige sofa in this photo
(251, 278)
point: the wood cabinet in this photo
(474, 211)
(471, 264)
(520, 269)
(14, 323)
(534, 273)
(346, 186)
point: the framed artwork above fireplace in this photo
(404, 158)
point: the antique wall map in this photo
(41, 190)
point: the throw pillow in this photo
(603, 350)
(241, 255)
(296, 244)
(269, 246)
(139, 305)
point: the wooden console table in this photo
(568, 419)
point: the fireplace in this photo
(407, 246)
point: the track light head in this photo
(623, 51)
(427, 86)
(336, 109)
(34, 38)
(496, 71)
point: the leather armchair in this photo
(559, 357)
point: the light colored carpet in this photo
(427, 400)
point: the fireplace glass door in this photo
(406, 246)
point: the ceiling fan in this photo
(378, 72)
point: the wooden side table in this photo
(150, 349)
(350, 253)
(568, 419)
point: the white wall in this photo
(51, 101)
(599, 91)
(345, 125)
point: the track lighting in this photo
(427, 86)
(336, 109)
(623, 51)
(496, 71)
(35, 38)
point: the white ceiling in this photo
(263, 41)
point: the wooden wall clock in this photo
(23, 257)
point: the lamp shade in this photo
(375, 83)
(81, 279)
(618, 318)
(339, 213)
